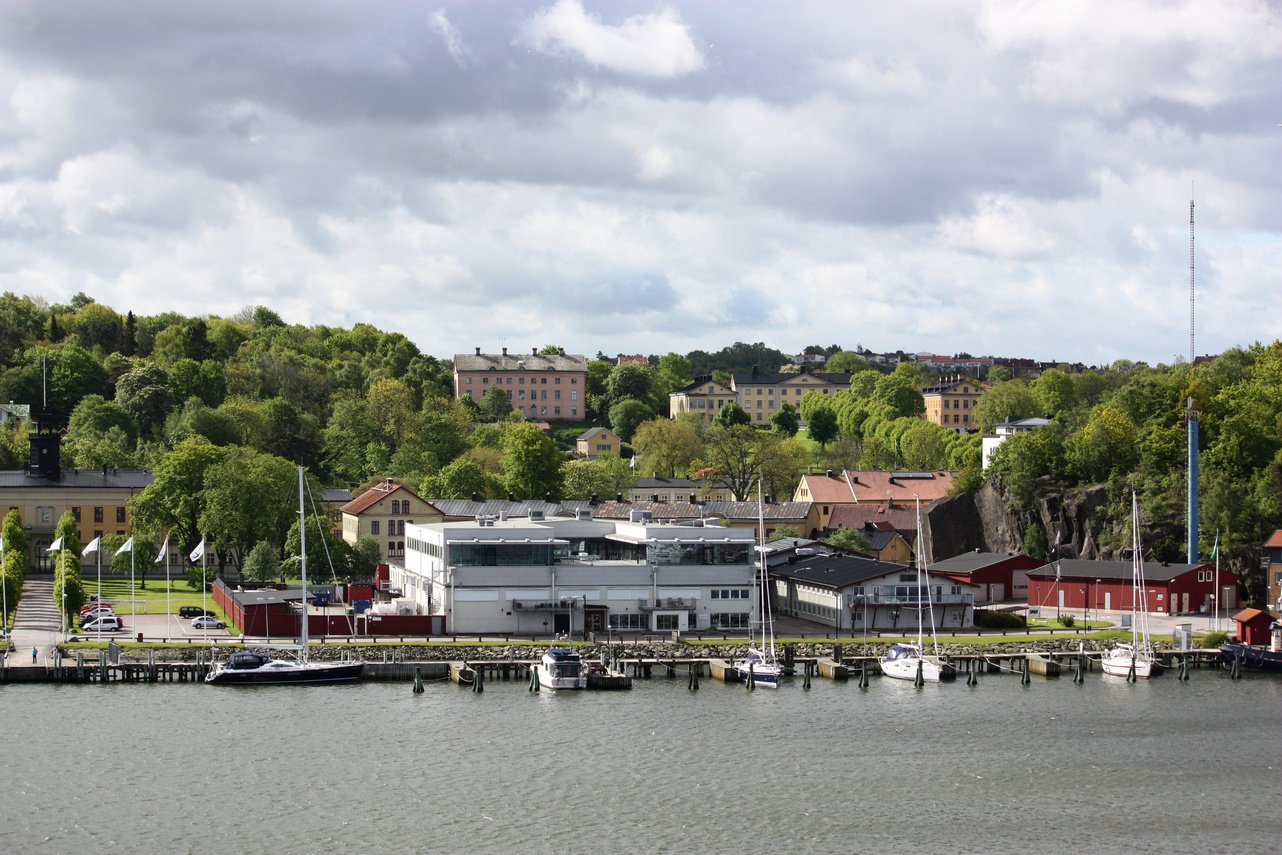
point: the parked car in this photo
(95, 605)
(94, 614)
(106, 623)
(207, 622)
(194, 611)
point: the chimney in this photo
(534, 351)
(505, 351)
(511, 497)
(478, 351)
(476, 497)
(618, 497)
(547, 497)
(754, 371)
(692, 498)
(829, 473)
(854, 479)
(592, 499)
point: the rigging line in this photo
(351, 619)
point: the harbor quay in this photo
(838, 660)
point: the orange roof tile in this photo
(878, 487)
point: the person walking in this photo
(34, 652)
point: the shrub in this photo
(999, 620)
(1065, 620)
(1215, 639)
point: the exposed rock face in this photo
(982, 520)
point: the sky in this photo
(1004, 178)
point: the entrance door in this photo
(1061, 598)
(560, 623)
(1108, 601)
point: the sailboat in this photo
(249, 668)
(761, 666)
(1135, 659)
(905, 660)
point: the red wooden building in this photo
(1253, 626)
(274, 613)
(997, 576)
(1092, 586)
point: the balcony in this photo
(682, 603)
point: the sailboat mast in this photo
(302, 563)
(763, 592)
(920, 648)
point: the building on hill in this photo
(951, 402)
(44, 491)
(594, 442)
(547, 387)
(831, 490)
(761, 394)
(1271, 561)
(382, 512)
(1005, 431)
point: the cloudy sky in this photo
(1007, 178)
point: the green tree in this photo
(1002, 402)
(626, 416)
(1055, 393)
(674, 372)
(175, 500)
(496, 404)
(606, 475)
(260, 564)
(68, 590)
(846, 362)
(730, 459)
(731, 415)
(531, 462)
(247, 497)
(786, 421)
(458, 479)
(851, 539)
(666, 447)
(822, 426)
(144, 394)
(1105, 446)
(901, 392)
(630, 381)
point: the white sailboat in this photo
(250, 668)
(1135, 659)
(761, 665)
(908, 661)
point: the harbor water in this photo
(1159, 766)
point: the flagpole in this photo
(98, 554)
(1215, 624)
(204, 585)
(169, 609)
(133, 602)
(4, 593)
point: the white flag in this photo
(198, 552)
(56, 545)
(127, 546)
(632, 462)
(164, 550)
(92, 547)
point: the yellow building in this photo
(761, 394)
(951, 402)
(382, 512)
(597, 441)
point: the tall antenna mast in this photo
(1192, 290)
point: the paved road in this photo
(36, 623)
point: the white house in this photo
(1005, 431)
(537, 574)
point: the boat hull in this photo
(1259, 659)
(288, 674)
(762, 675)
(557, 684)
(1120, 666)
(907, 669)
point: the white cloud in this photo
(451, 37)
(652, 45)
(1000, 226)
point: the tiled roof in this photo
(377, 493)
(969, 562)
(874, 487)
(858, 516)
(1274, 542)
(612, 510)
(591, 432)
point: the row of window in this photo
(542, 395)
(958, 404)
(520, 381)
(730, 620)
(98, 515)
(394, 527)
(729, 593)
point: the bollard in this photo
(1130, 672)
(805, 680)
(478, 680)
(1024, 678)
(418, 680)
(752, 680)
(1184, 667)
(693, 683)
(919, 680)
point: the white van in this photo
(106, 623)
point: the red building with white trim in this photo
(1094, 586)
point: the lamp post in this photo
(1083, 592)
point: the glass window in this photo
(120, 515)
(373, 527)
(97, 514)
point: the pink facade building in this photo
(544, 387)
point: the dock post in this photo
(919, 680)
(864, 668)
(418, 681)
(478, 680)
(805, 680)
(693, 683)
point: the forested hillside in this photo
(181, 395)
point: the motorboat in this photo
(905, 661)
(561, 668)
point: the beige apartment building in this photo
(761, 394)
(951, 402)
(382, 512)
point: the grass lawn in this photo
(115, 590)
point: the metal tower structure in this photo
(1192, 413)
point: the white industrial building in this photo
(535, 575)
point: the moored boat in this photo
(561, 668)
(1135, 659)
